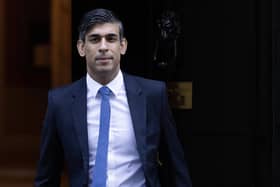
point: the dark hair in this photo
(98, 16)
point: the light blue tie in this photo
(100, 169)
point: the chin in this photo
(105, 71)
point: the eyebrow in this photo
(106, 35)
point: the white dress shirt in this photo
(124, 168)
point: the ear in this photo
(123, 46)
(81, 47)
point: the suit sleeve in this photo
(171, 151)
(50, 161)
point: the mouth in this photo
(103, 59)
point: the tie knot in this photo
(105, 91)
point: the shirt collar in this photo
(115, 85)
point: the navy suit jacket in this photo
(64, 137)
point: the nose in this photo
(103, 45)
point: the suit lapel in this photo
(80, 118)
(137, 105)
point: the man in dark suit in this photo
(120, 144)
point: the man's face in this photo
(102, 49)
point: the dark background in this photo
(276, 92)
(226, 50)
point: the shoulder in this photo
(68, 90)
(145, 83)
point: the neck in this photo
(103, 79)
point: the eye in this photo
(111, 38)
(94, 39)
